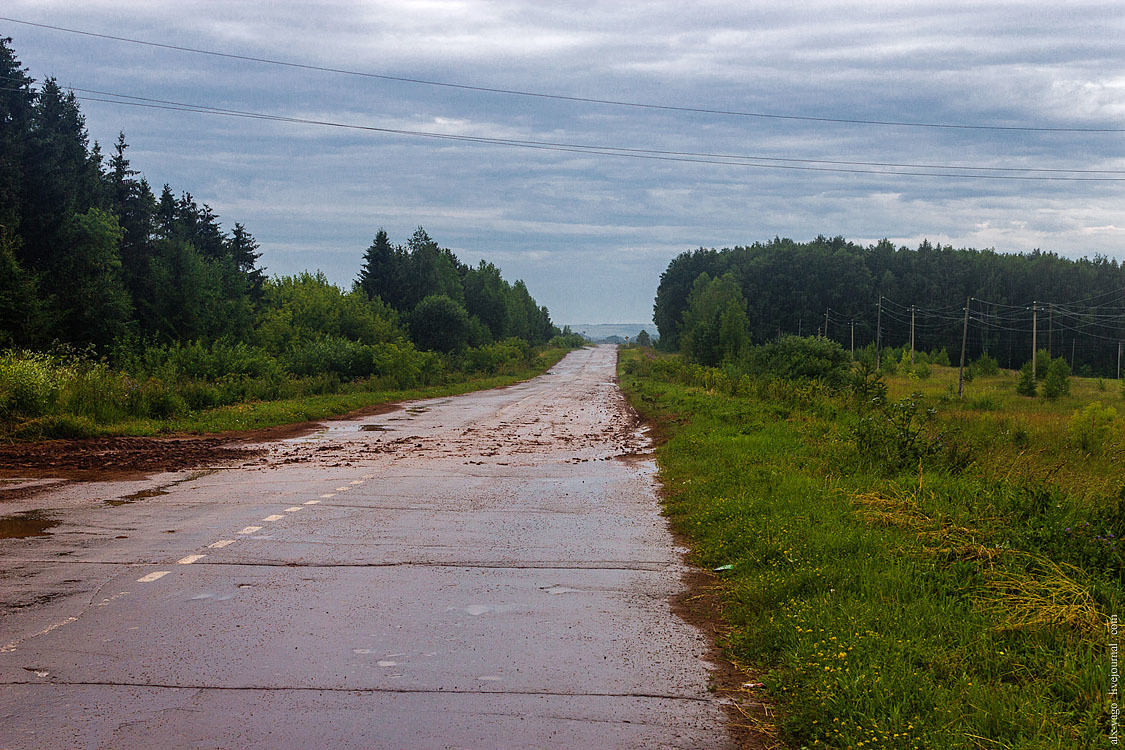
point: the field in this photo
(922, 573)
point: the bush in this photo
(797, 358)
(1092, 428)
(439, 323)
(1026, 386)
(984, 366)
(1057, 382)
(28, 384)
(940, 357)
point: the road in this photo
(489, 570)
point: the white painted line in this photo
(368, 476)
(250, 529)
(189, 559)
(342, 489)
(221, 543)
(311, 502)
(294, 509)
(330, 494)
(274, 517)
(358, 481)
(152, 576)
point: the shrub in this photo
(797, 358)
(1057, 382)
(940, 357)
(439, 323)
(893, 438)
(1026, 386)
(28, 384)
(1092, 428)
(984, 366)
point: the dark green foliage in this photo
(1057, 382)
(715, 324)
(643, 339)
(984, 365)
(802, 358)
(1026, 385)
(788, 286)
(439, 323)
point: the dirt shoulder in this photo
(111, 458)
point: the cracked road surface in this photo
(490, 570)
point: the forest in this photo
(99, 274)
(1074, 309)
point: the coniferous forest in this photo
(98, 272)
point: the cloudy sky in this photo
(591, 232)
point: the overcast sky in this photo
(591, 233)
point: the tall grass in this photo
(67, 394)
(898, 578)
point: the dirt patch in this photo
(117, 457)
(110, 458)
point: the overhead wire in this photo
(592, 149)
(559, 97)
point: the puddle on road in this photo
(375, 428)
(126, 499)
(28, 523)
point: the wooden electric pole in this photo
(1034, 336)
(879, 335)
(912, 335)
(964, 338)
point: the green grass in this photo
(947, 605)
(253, 415)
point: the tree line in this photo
(713, 303)
(92, 257)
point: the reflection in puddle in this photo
(375, 428)
(124, 499)
(28, 523)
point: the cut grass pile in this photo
(954, 600)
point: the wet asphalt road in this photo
(489, 570)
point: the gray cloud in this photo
(591, 234)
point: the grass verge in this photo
(254, 415)
(940, 605)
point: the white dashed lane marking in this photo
(311, 502)
(274, 517)
(330, 494)
(294, 509)
(152, 576)
(221, 543)
(342, 489)
(250, 529)
(189, 559)
(358, 481)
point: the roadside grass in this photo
(960, 602)
(260, 414)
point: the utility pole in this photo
(912, 335)
(826, 321)
(1072, 353)
(799, 327)
(879, 335)
(1051, 329)
(1119, 360)
(853, 348)
(1034, 336)
(964, 338)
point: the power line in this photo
(701, 154)
(591, 149)
(561, 97)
